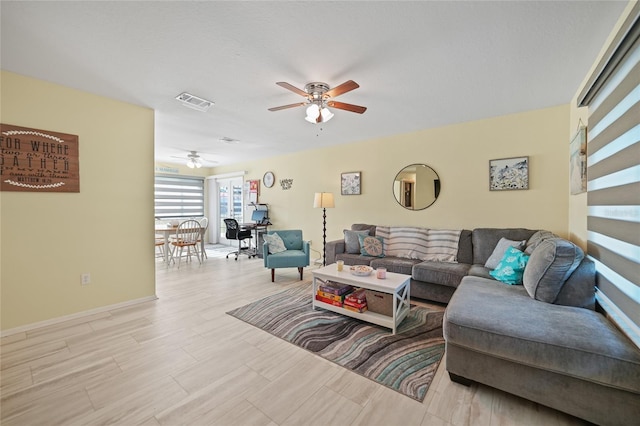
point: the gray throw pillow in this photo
(550, 265)
(500, 250)
(275, 242)
(537, 238)
(352, 241)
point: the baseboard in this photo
(58, 320)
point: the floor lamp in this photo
(324, 200)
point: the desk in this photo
(168, 230)
(256, 227)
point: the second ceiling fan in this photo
(320, 96)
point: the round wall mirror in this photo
(416, 187)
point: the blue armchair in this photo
(295, 255)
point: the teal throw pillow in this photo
(276, 245)
(511, 268)
(371, 246)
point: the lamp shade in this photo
(323, 200)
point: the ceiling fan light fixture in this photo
(313, 112)
(194, 160)
(194, 163)
(326, 114)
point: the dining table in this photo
(167, 230)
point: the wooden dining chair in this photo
(204, 225)
(187, 234)
(160, 247)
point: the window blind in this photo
(178, 197)
(613, 179)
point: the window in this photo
(178, 197)
(613, 177)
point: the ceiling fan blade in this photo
(293, 88)
(287, 106)
(347, 107)
(345, 87)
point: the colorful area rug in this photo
(405, 362)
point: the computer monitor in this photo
(259, 216)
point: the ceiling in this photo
(419, 64)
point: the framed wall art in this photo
(509, 174)
(350, 183)
(578, 162)
(34, 160)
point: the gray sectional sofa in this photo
(543, 341)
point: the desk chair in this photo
(235, 233)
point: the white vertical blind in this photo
(613, 178)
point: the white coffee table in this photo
(395, 284)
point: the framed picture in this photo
(254, 190)
(509, 173)
(350, 183)
(578, 162)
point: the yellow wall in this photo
(578, 203)
(460, 155)
(50, 239)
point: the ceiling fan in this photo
(320, 96)
(194, 161)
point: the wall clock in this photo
(268, 179)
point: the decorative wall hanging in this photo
(350, 183)
(578, 172)
(33, 160)
(286, 183)
(509, 173)
(254, 190)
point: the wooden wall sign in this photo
(33, 160)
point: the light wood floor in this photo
(182, 360)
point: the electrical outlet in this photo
(85, 279)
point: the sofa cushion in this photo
(364, 227)
(399, 265)
(511, 267)
(500, 250)
(537, 238)
(503, 321)
(354, 259)
(480, 271)
(465, 248)
(352, 241)
(485, 240)
(442, 273)
(580, 289)
(371, 246)
(550, 265)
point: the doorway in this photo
(229, 200)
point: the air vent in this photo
(194, 102)
(229, 141)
